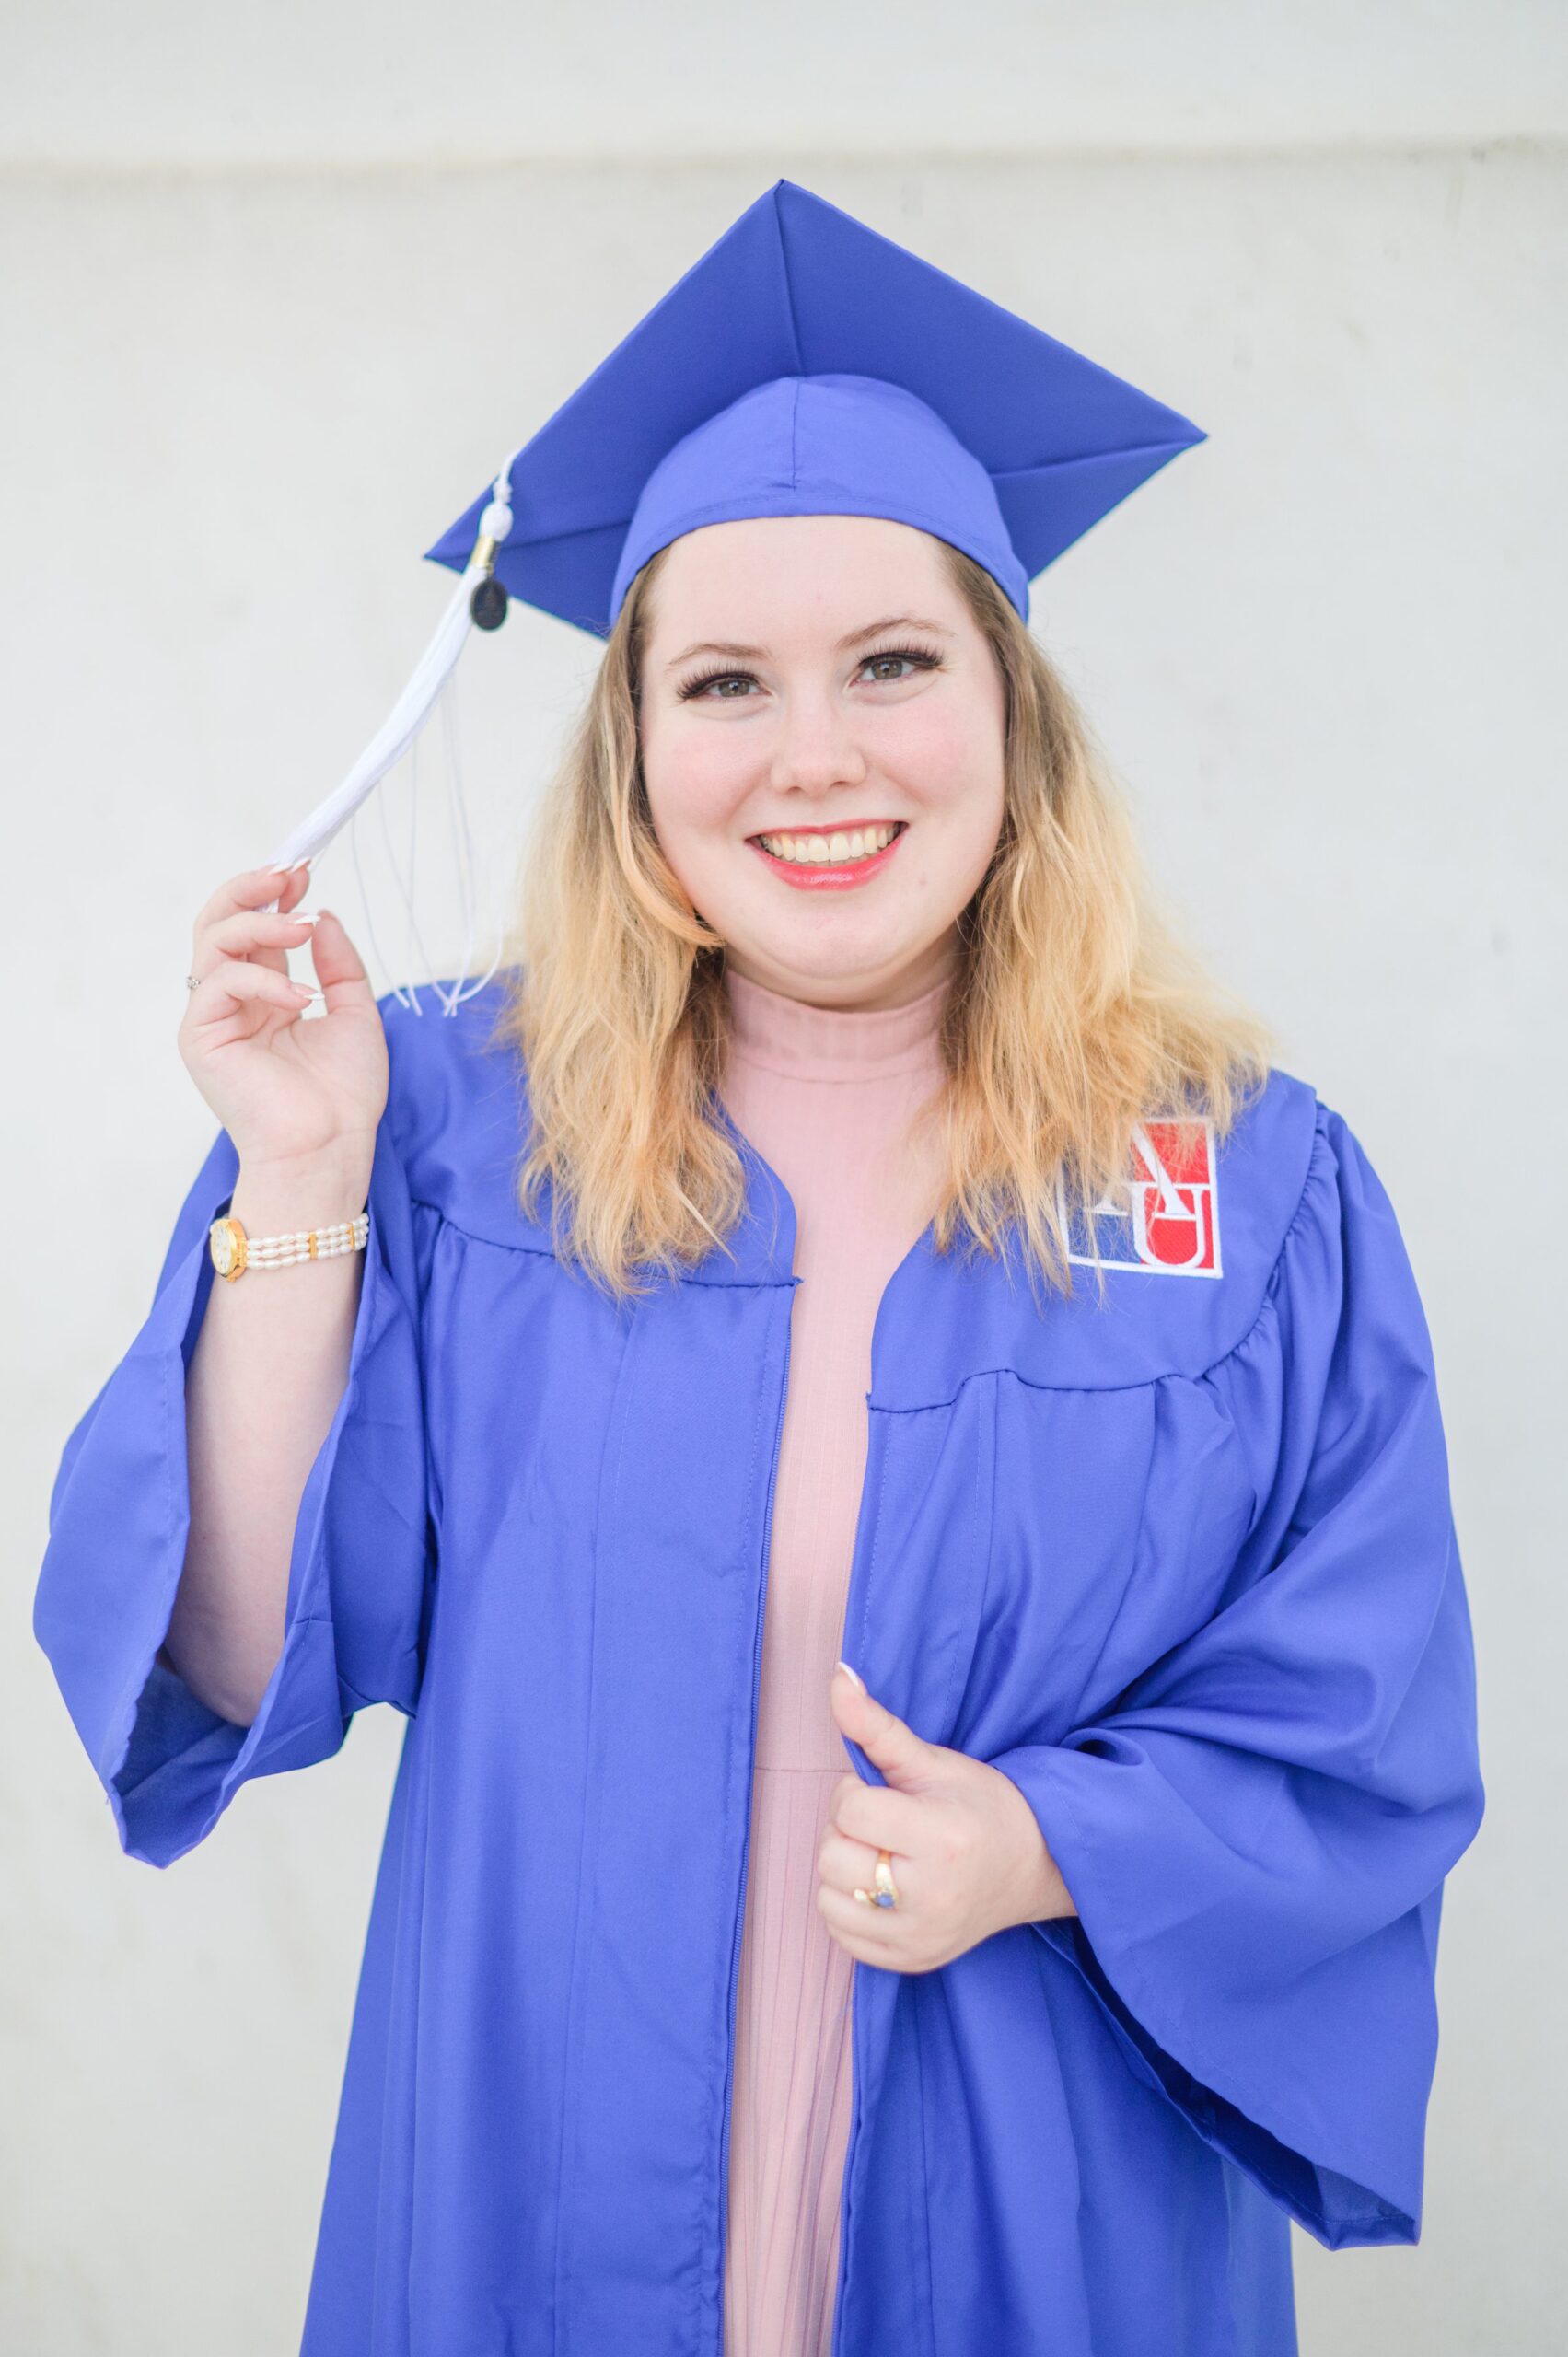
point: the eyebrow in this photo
(734, 653)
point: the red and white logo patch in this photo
(1166, 1216)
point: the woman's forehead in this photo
(762, 579)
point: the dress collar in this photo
(781, 1034)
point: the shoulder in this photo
(1195, 1242)
(457, 1105)
(1293, 1167)
(1208, 1229)
(1261, 1171)
(434, 1047)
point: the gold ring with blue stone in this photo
(886, 1893)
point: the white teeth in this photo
(825, 851)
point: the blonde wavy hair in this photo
(1074, 1013)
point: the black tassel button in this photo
(487, 603)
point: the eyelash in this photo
(925, 656)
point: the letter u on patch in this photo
(1165, 1214)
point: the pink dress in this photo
(825, 1095)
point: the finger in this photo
(858, 1923)
(339, 969)
(844, 1865)
(259, 933)
(885, 1819)
(901, 1757)
(253, 888)
(237, 983)
(841, 1863)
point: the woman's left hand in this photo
(968, 1854)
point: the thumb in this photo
(892, 1745)
(339, 966)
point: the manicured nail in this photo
(302, 916)
(854, 1674)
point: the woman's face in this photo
(808, 676)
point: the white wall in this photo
(280, 289)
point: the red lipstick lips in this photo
(807, 877)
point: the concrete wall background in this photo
(279, 292)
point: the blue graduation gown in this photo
(1180, 1562)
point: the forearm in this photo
(265, 1379)
(1035, 1890)
(1051, 1893)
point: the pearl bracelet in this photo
(233, 1251)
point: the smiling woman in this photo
(834, 728)
(712, 803)
(636, 1392)
(835, 851)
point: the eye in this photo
(923, 658)
(697, 687)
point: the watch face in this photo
(222, 1246)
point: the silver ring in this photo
(193, 982)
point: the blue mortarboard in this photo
(807, 365)
(804, 365)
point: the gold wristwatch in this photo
(233, 1251)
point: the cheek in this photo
(944, 752)
(696, 780)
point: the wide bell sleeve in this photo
(363, 1560)
(1256, 1836)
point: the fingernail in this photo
(303, 916)
(854, 1674)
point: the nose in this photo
(816, 749)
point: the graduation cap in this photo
(804, 365)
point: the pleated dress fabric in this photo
(827, 1097)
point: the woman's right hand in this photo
(295, 1097)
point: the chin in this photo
(814, 963)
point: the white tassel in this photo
(466, 860)
(397, 735)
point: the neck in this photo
(772, 1031)
(933, 968)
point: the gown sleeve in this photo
(361, 1568)
(1256, 1834)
